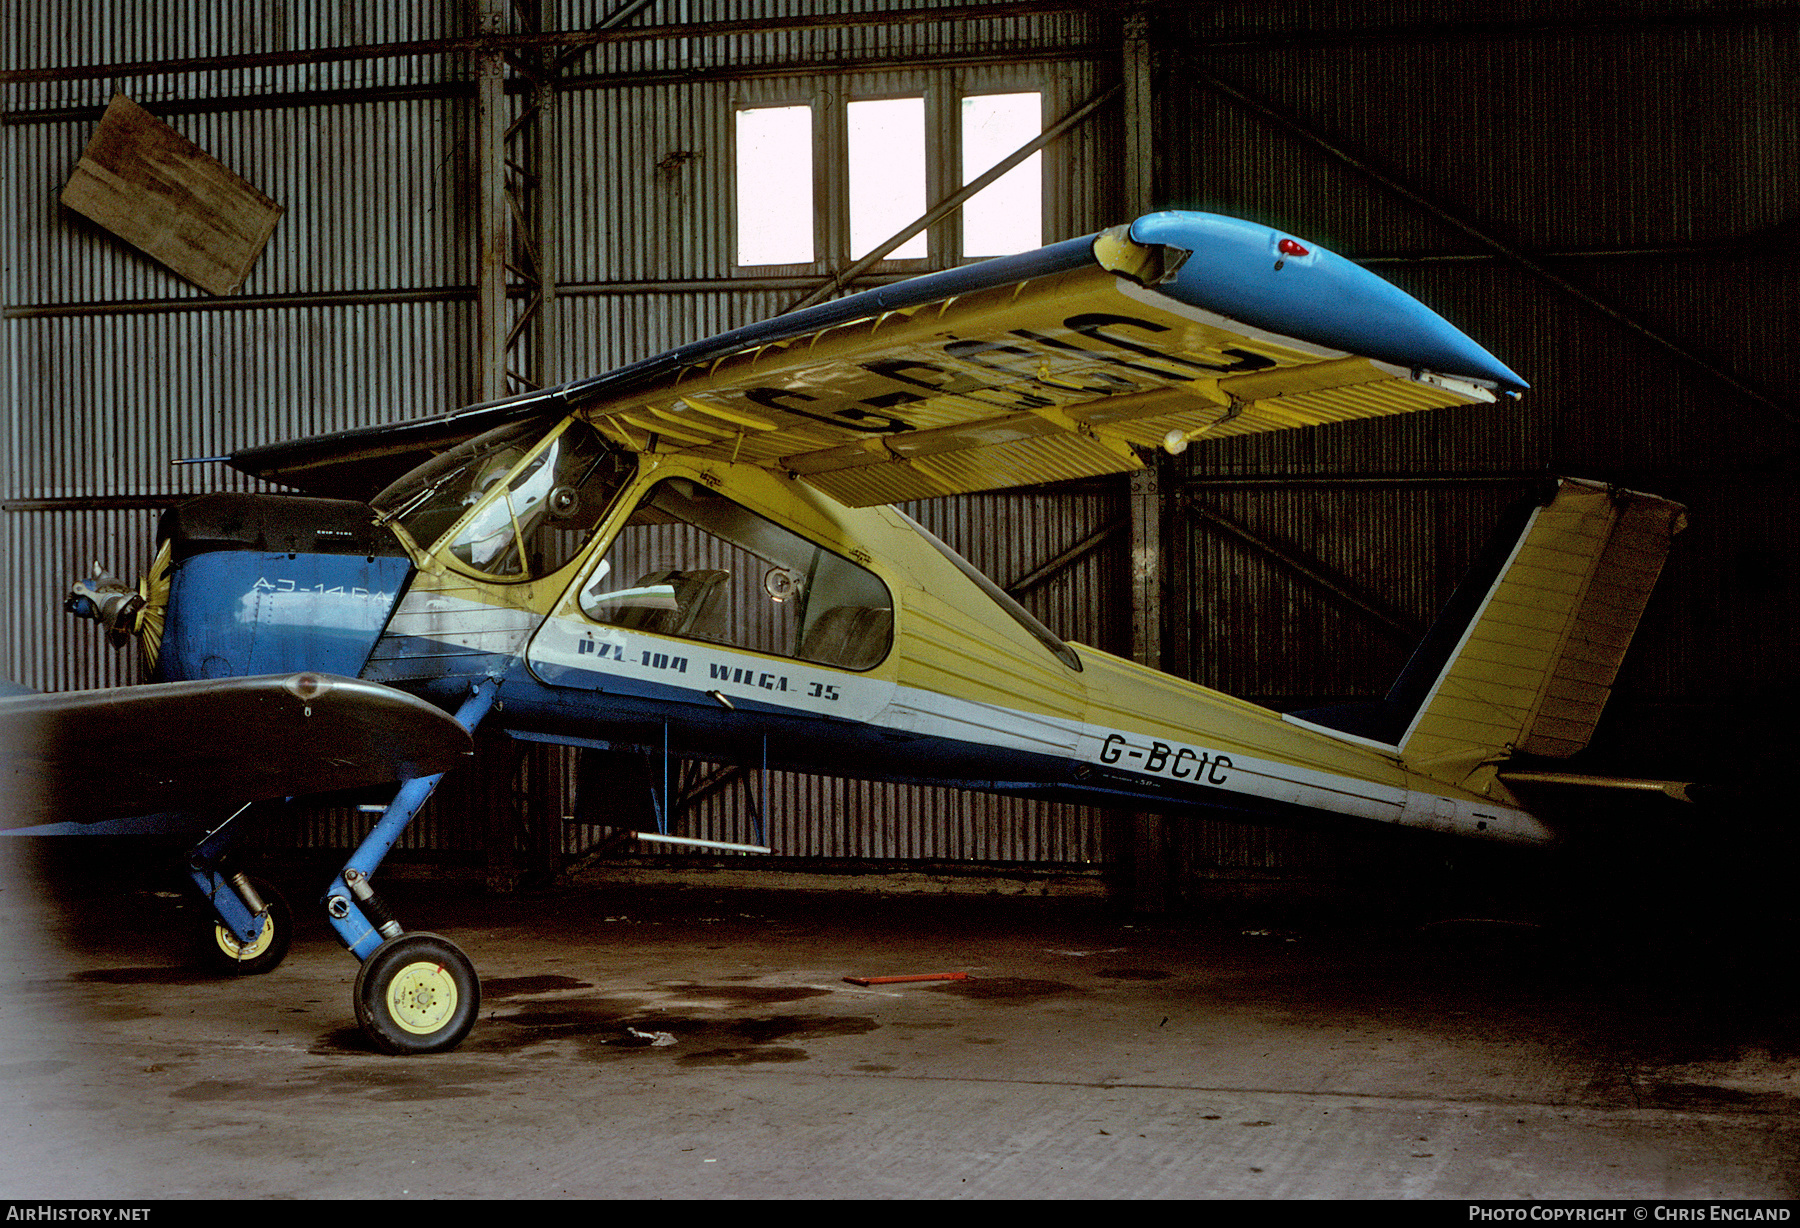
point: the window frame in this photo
(736, 195)
(441, 549)
(832, 247)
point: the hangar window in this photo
(774, 185)
(886, 139)
(880, 177)
(692, 563)
(1007, 216)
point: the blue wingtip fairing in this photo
(1241, 270)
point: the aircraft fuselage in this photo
(726, 614)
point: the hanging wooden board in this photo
(169, 198)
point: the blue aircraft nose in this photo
(275, 584)
(1294, 287)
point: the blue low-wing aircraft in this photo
(698, 552)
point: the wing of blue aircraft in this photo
(209, 746)
(1056, 364)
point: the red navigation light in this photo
(1288, 247)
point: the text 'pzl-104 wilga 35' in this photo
(698, 553)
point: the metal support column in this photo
(532, 360)
(545, 341)
(529, 158)
(1139, 172)
(943, 175)
(1146, 566)
(831, 194)
(1145, 834)
(1151, 881)
(490, 210)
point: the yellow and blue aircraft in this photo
(699, 553)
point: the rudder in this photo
(1524, 656)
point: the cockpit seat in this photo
(699, 605)
(849, 636)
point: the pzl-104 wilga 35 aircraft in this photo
(699, 552)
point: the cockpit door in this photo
(700, 598)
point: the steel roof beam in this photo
(1066, 53)
(480, 44)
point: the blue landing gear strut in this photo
(251, 926)
(415, 993)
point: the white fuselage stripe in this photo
(814, 691)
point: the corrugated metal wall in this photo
(1644, 153)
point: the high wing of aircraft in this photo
(698, 552)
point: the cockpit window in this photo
(504, 503)
(691, 563)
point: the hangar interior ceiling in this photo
(482, 197)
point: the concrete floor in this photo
(1086, 1056)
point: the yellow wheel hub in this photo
(234, 949)
(422, 997)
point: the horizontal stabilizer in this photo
(1679, 790)
(211, 745)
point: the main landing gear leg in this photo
(415, 993)
(251, 926)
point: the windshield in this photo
(504, 503)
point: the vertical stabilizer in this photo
(1536, 662)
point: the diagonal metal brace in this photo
(1508, 251)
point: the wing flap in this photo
(1057, 457)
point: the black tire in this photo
(222, 952)
(418, 993)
